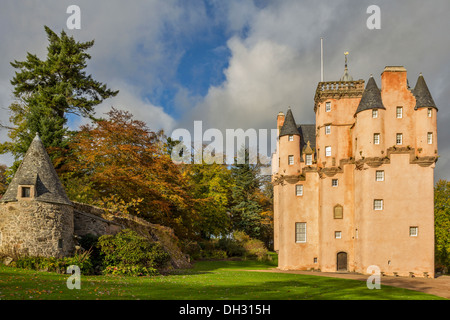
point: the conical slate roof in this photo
(423, 95)
(37, 169)
(289, 127)
(371, 98)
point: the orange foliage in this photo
(124, 160)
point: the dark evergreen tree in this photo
(46, 91)
(245, 209)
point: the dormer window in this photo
(308, 159)
(25, 192)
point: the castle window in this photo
(376, 138)
(338, 212)
(379, 175)
(308, 158)
(334, 182)
(399, 139)
(290, 160)
(327, 129)
(300, 232)
(60, 243)
(374, 113)
(378, 204)
(328, 151)
(328, 106)
(291, 137)
(413, 231)
(337, 234)
(315, 259)
(430, 112)
(26, 192)
(399, 112)
(430, 137)
(299, 190)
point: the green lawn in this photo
(207, 280)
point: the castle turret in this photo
(425, 120)
(369, 137)
(35, 214)
(289, 141)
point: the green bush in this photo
(54, 264)
(130, 271)
(128, 249)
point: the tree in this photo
(442, 223)
(120, 163)
(46, 91)
(245, 208)
(211, 184)
(3, 184)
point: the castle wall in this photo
(38, 228)
(293, 255)
(384, 236)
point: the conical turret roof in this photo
(423, 95)
(289, 127)
(37, 169)
(371, 98)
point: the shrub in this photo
(128, 249)
(54, 264)
(131, 271)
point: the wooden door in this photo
(342, 261)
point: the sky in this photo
(234, 64)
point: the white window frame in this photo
(300, 232)
(399, 139)
(328, 129)
(399, 112)
(430, 137)
(328, 151)
(299, 190)
(430, 112)
(376, 138)
(308, 159)
(378, 204)
(334, 182)
(374, 113)
(291, 160)
(379, 175)
(338, 234)
(413, 231)
(291, 137)
(327, 106)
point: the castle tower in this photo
(35, 214)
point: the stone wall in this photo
(37, 228)
(94, 220)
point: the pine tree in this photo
(46, 91)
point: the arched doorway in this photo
(341, 261)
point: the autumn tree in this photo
(442, 223)
(46, 91)
(211, 185)
(118, 162)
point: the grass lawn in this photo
(217, 280)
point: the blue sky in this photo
(234, 63)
